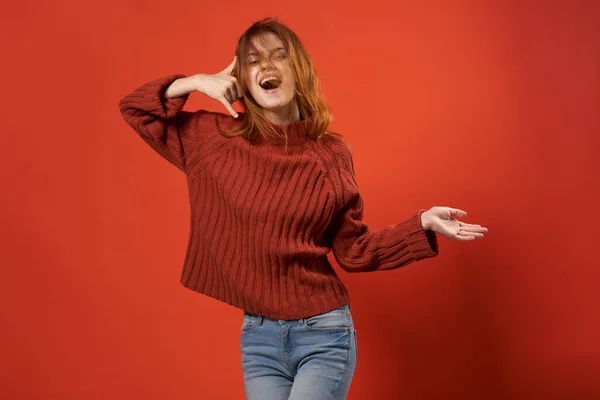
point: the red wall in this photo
(491, 107)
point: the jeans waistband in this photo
(261, 318)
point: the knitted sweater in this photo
(264, 216)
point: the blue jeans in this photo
(309, 358)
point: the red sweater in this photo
(263, 218)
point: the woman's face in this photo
(270, 79)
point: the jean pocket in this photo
(248, 324)
(335, 320)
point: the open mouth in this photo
(270, 83)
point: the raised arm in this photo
(159, 121)
(154, 110)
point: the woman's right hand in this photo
(221, 86)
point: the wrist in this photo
(425, 221)
(195, 83)
(180, 87)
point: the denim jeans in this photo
(309, 358)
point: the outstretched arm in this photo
(355, 247)
(358, 249)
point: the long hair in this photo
(311, 104)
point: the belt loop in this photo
(348, 313)
(259, 320)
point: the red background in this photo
(488, 106)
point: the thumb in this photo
(230, 67)
(457, 212)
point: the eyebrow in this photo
(255, 53)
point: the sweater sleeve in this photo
(159, 121)
(358, 249)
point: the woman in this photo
(271, 193)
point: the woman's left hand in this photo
(440, 220)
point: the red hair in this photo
(311, 104)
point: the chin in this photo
(273, 104)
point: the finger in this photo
(228, 106)
(477, 229)
(475, 232)
(456, 211)
(232, 94)
(239, 88)
(463, 237)
(472, 227)
(470, 234)
(230, 67)
(227, 96)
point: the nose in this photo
(266, 63)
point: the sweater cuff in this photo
(419, 242)
(164, 108)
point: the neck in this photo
(287, 123)
(284, 115)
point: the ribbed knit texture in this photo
(264, 216)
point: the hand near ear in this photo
(221, 86)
